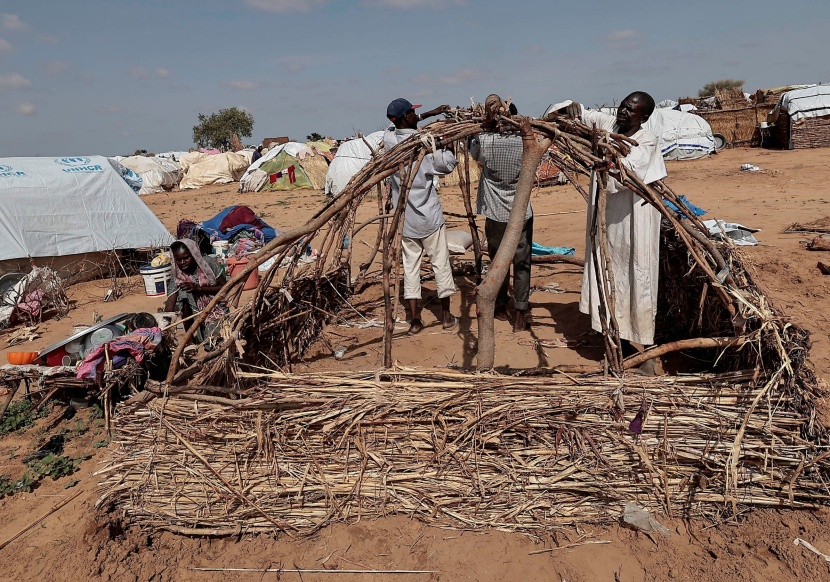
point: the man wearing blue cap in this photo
(424, 230)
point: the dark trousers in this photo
(494, 232)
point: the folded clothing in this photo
(218, 229)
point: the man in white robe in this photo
(633, 225)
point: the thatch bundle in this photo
(316, 168)
(739, 126)
(453, 178)
(464, 451)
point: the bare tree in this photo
(709, 89)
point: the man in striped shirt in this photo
(500, 156)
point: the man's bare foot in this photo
(500, 313)
(448, 325)
(415, 326)
(519, 323)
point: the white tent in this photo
(157, 174)
(351, 156)
(682, 136)
(248, 153)
(68, 206)
(806, 103)
(189, 158)
(221, 168)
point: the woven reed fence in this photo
(738, 126)
(464, 451)
(811, 132)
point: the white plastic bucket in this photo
(220, 248)
(156, 279)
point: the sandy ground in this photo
(76, 543)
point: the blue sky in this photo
(107, 77)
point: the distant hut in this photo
(801, 118)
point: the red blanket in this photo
(240, 215)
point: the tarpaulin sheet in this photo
(222, 168)
(682, 136)
(52, 207)
(350, 158)
(809, 102)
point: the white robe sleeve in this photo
(645, 159)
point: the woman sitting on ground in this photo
(196, 279)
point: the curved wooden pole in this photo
(486, 294)
(687, 344)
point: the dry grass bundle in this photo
(732, 98)
(287, 320)
(42, 384)
(453, 178)
(315, 168)
(464, 451)
(738, 126)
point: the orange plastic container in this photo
(21, 358)
(235, 266)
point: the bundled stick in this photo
(465, 451)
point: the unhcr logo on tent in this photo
(8, 172)
(75, 165)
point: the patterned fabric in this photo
(501, 160)
(207, 272)
(137, 345)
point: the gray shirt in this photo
(423, 214)
(501, 161)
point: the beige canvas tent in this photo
(221, 168)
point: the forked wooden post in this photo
(392, 256)
(488, 290)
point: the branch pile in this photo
(576, 149)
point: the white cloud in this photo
(464, 75)
(138, 73)
(26, 108)
(410, 4)
(163, 73)
(240, 85)
(459, 77)
(13, 22)
(618, 35)
(56, 67)
(14, 81)
(285, 5)
(5, 46)
(620, 39)
(298, 63)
